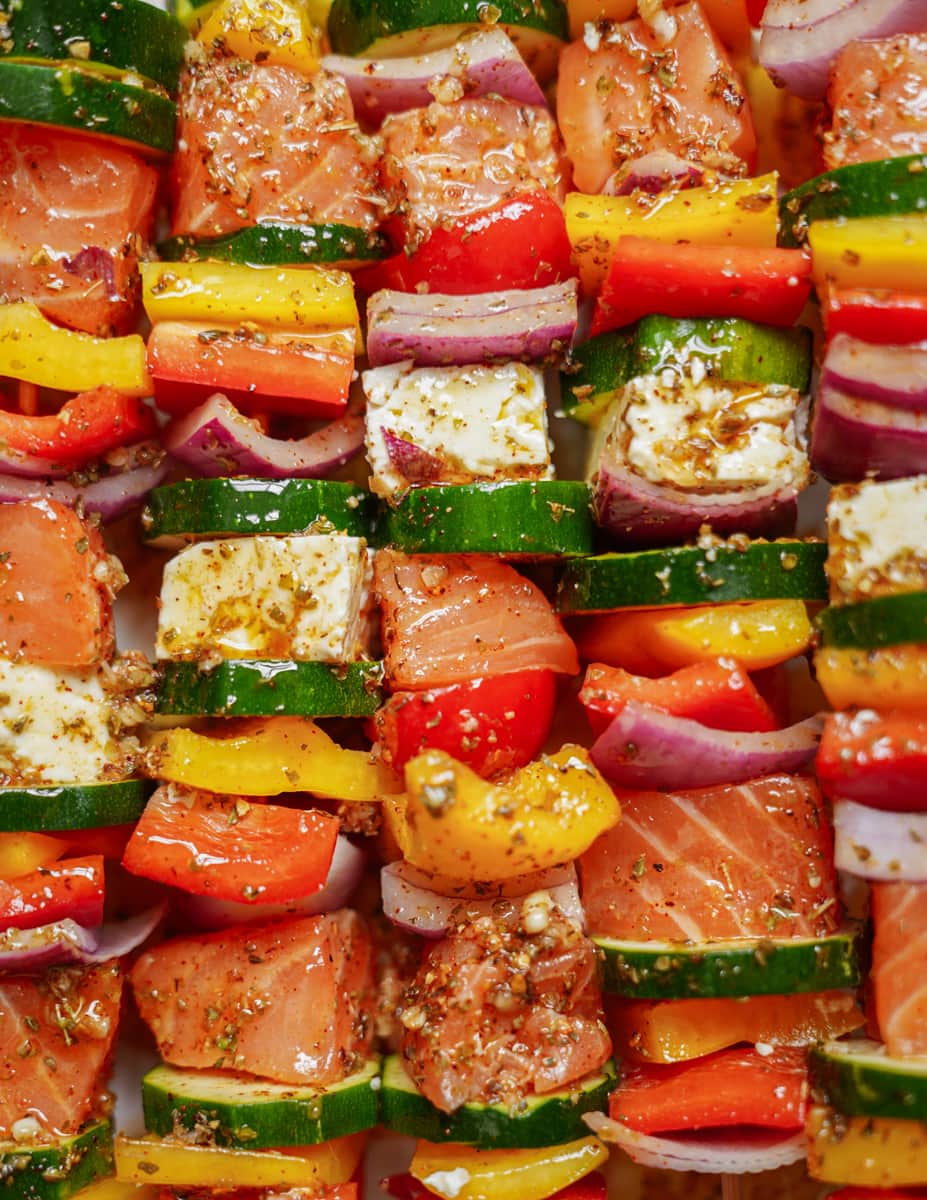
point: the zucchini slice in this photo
(59, 1169)
(728, 348)
(525, 518)
(683, 575)
(72, 805)
(270, 688)
(546, 1120)
(884, 621)
(886, 187)
(208, 508)
(74, 98)
(747, 967)
(860, 1079)
(270, 245)
(126, 35)
(256, 1114)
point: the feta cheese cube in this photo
(877, 539)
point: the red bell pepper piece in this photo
(230, 848)
(108, 840)
(887, 318)
(405, 1187)
(879, 759)
(683, 280)
(85, 427)
(518, 243)
(301, 374)
(727, 1088)
(719, 694)
(70, 889)
(755, 10)
(494, 724)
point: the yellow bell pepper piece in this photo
(888, 677)
(865, 1151)
(669, 1031)
(36, 351)
(454, 824)
(740, 212)
(21, 853)
(870, 252)
(462, 1173)
(166, 1163)
(295, 298)
(267, 757)
(116, 1189)
(652, 641)
(279, 32)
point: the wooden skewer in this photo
(28, 398)
(732, 1187)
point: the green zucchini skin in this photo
(56, 807)
(191, 13)
(752, 967)
(256, 1114)
(886, 187)
(281, 246)
(267, 688)
(684, 575)
(73, 98)
(536, 518)
(859, 1079)
(127, 35)
(729, 348)
(547, 1120)
(871, 624)
(60, 1169)
(354, 25)
(203, 508)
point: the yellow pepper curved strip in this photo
(741, 212)
(276, 32)
(870, 252)
(295, 298)
(166, 1163)
(452, 823)
(887, 677)
(21, 853)
(504, 1174)
(877, 1152)
(36, 351)
(265, 758)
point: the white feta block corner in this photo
(877, 539)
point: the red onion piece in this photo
(801, 38)
(638, 512)
(414, 462)
(107, 497)
(871, 843)
(216, 440)
(644, 748)
(653, 173)
(417, 909)
(435, 330)
(344, 874)
(710, 1152)
(895, 375)
(852, 438)
(95, 265)
(28, 951)
(486, 62)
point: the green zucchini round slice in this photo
(684, 575)
(860, 1079)
(72, 805)
(74, 98)
(748, 967)
(281, 246)
(546, 1120)
(126, 35)
(884, 621)
(205, 508)
(265, 688)
(256, 1114)
(525, 518)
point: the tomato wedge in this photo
(718, 693)
(879, 759)
(518, 243)
(730, 1087)
(682, 280)
(494, 724)
(72, 888)
(84, 427)
(231, 848)
(885, 317)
